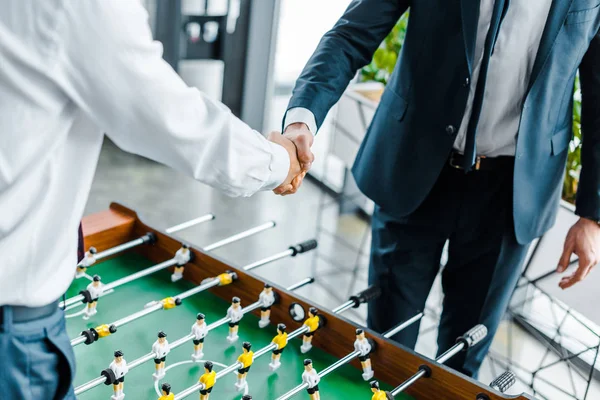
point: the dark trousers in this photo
(474, 212)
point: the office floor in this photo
(164, 197)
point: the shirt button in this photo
(450, 130)
(467, 82)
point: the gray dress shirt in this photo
(507, 80)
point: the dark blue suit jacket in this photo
(409, 139)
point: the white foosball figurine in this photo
(267, 299)
(88, 260)
(362, 344)
(120, 369)
(182, 257)
(235, 313)
(199, 330)
(311, 377)
(95, 290)
(160, 348)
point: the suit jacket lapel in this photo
(556, 19)
(470, 17)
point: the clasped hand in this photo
(297, 140)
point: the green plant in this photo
(385, 57)
(384, 61)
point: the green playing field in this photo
(136, 339)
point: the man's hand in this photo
(583, 240)
(302, 138)
(294, 170)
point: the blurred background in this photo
(248, 54)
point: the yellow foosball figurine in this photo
(313, 323)
(207, 380)
(379, 394)
(165, 389)
(281, 341)
(246, 359)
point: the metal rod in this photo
(457, 348)
(408, 383)
(173, 345)
(77, 341)
(241, 235)
(171, 262)
(212, 283)
(267, 260)
(346, 306)
(124, 280)
(350, 356)
(321, 374)
(190, 223)
(302, 283)
(403, 325)
(120, 248)
(89, 385)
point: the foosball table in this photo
(152, 317)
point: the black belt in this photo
(22, 314)
(456, 160)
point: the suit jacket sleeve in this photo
(588, 193)
(348, 46)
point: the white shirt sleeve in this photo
(112, 69)
(300, 114)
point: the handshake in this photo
(297, 140)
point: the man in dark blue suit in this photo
(468, 145)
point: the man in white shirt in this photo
(71, 72)
(312, 379)
(199, 330)
(160, 348)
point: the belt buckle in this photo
(477, 165)
(451, 162)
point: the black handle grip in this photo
(149, 238)
(109, 375)
(370, 293)
(303, 247)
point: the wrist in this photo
(296, 126)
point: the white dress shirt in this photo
(507, 79)
(69, 71)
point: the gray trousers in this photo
(38, 359)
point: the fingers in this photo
(305, 155)
(586, 262)
(565, 258)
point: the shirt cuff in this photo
(300, 114)
(279, 166)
